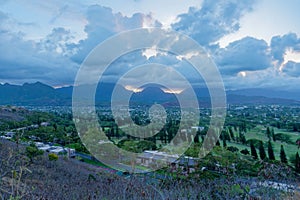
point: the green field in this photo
(259, 132)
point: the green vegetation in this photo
(283, 158)
(258, 142)
(270, 151)
(32, 151)
(52, 157)
(253, 151)
(297, 163)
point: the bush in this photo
(232, 149)
(32, 151)
(245, 152)
(53, 157)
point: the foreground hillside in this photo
(228, 172)
(72, 179)
(61, 179)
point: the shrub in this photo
(232, 149)
(32, 151)
(245, 152)
(53, 157)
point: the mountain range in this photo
(39, 94)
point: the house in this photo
(21, 129)
(33, 126)
(156, 158)
(39, 144)
(9, 135)
(4, 137)
(45, 147)
(34, 138)
(57, 150)
(148, 158)
(71, 152)
(197, 128)
(45, 124)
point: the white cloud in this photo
(213, 20)
(47, 41)
(103, 23)
(26, 60)
(292, 69)
(247, 54)
(280, 44)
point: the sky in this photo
(253, 43)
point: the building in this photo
(9, 135)
(55, 149)
(157, 158)
(197, 128)
(45, 124)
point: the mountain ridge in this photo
(41, 94)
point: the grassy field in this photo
(259, 132)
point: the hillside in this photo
(72, 179)
(12, 113)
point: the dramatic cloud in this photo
(49, 43)
(279, 45)
(213, 20)
(25, 60)
(58, 41)
(103, 23)
(247, 54)
(292, 69)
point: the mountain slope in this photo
(42, 94)
(270, 93)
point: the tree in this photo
(268, 132)
(32, 151)
(145, 145)
(245, 152)
(130, 146)
(270, 151)
(262, 153)
(218, 143)
(243, 138)
(298, 142)
(196, 139)
(297, 163)
(283, 158)
(224, 143)
(232, 149)
(231, 133)
(55, 127)
(253, 151)
(273, 135)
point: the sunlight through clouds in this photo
(240, 36)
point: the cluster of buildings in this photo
(10, 134)
(41, 146)
(56, 149)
